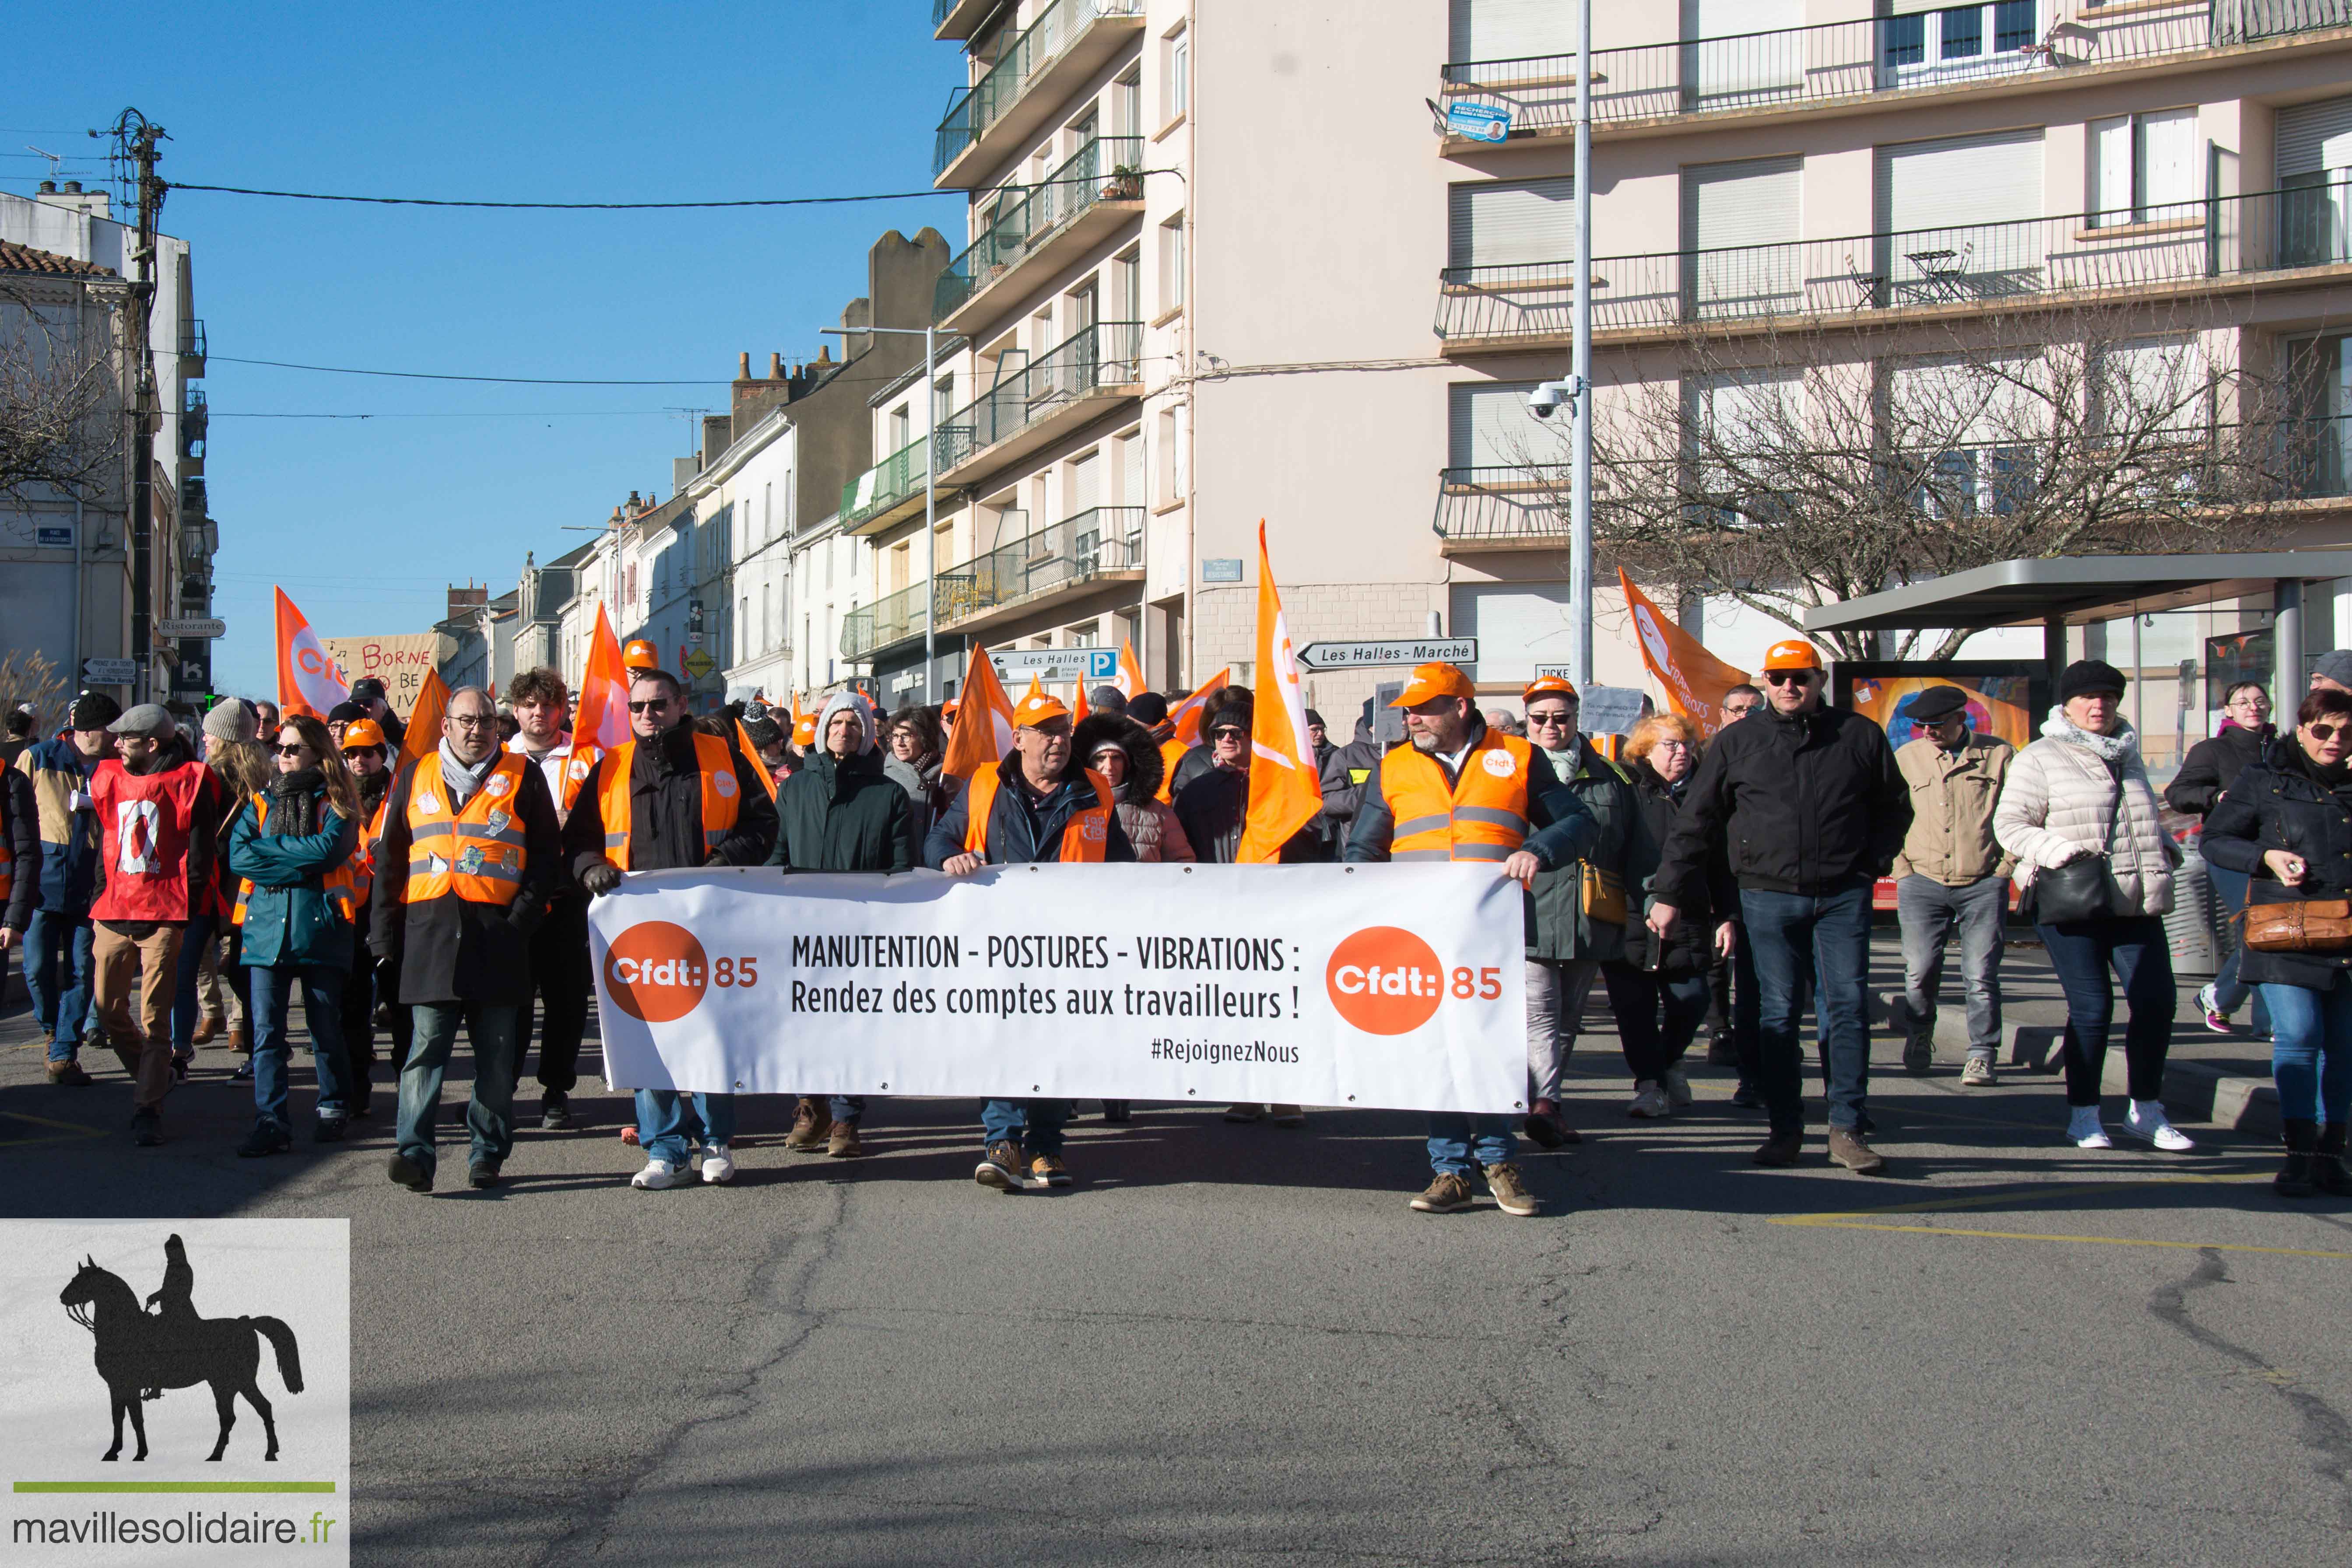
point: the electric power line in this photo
(646, 206)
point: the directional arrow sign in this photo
(109, 671)
(1402, 650)
(206, 627)
(1058, 663)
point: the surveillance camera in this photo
(1545, 400)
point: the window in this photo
(1167, 456)
(1489, 427)
(902, 427)
(1172, 265)
(1512, 30)
(2160, 385)
(767, 514)
(1126, 287)
(2144, 167)
(1127, 104)
(743, 629)
(1951, 218)
(1175, 73)
(1752, 48)
(767, 616)
(1921, 37)
(1742, 222)
(1504, 223)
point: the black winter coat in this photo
(1809, 805)
(448, 949)
(2280, 802)
(843, 815)
(665, 812)
(20, 818)
(1691, 950)
(1214, 809)
(1020, 833)
(2212, 766)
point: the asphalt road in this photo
(1237, 1343)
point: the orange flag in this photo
(1130, 678)
(1286, 788)
(308, 680)
(1188, 712)
(602, 720)
(752, 754)
(1078, 710)
(984, 726)
(424, 737)
(1695, 679)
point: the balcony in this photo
(1096, 547)
(2299, 235)
(192, 349)
(195, 419)
(1501, 508)
(1080, 379)
(1076, 206)
(957, 18)
(1960, 47)
(892, 619)
(892, 489)
(1023, 91)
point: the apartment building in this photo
(70, 588)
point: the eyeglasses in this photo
(293, 751)
(650, 705)
(1671, 746)
(1548, 719)
(1229, 735)
(1788, 676)
(2326, 731)
(359, 751)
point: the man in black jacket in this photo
(841, 813)
(671, 768)
(1814, 812)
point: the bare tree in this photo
(61, 403)
(1817, 464)
(29, 678)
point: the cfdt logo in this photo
(1387, 980)
(655, 972)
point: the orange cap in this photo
(362, 733)
(1436, 680)
(1795, 653)
(640, 655)
(1038, 708)
(1548, 685)
(804, 732)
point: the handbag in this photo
(2083, 888)
(2299, 925)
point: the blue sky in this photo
(366, 521)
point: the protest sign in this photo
(1368, 985)
(400, 661)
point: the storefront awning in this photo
(2075, 589)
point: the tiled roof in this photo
(25, 258)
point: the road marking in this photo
(1867, 1219)
(66, 1131)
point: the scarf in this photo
(2109, 749)
(1564, 764)
(294, 802)
(462, 780)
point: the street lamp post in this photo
(930, 488)
(1579, 555)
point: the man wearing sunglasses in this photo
(1815, 811)
(669, 797)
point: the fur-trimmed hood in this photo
(1145, 766)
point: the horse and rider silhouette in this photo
(140, 1353)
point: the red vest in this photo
(143, 824)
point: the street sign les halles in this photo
(1396, 650)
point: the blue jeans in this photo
(1456, 1138)
(2311, 1050)
(665, 1116)
(203, 932)
(2230, 993)
(322, 1003)
(61, 974)
(1826, 938)
(1034, 1124)
(489, 1117)
(2134, 946)
(845, 1106)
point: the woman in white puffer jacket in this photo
(2059, 804)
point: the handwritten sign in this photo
(399, 661)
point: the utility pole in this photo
(135, 141)
(1580, 556)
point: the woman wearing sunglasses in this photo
(2211, 768)
(2079, 798)
(293, 846)
(2285, 825)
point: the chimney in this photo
(775, 367)
(73, 187)
(73, 198)
(636, 506)
(824, 354)
(47, 188)
(743, 365)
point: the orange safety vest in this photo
(1484, 817)
(345, 887)
(1085, 837)
(721, 801)
(576, 769)
(478, 855)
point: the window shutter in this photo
(1741, 63)
(1744, 218)
(1131, 491)
(2111, 179)
(1945, 194)
(1505, 223)
(1510, 29)
(2169, 162)
(1084, 490)
(2314, 136)
(1490, 427)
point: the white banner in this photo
(1402, 986)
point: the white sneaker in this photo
(2084, 1128)
(718, 1164)
(658, 1174)
(1678, 1087)
(2146, 1121)
(1650, 1101)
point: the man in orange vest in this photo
(669, 797)
(1039, 804)
(158, 814)
(1461, 792)
(463, 870)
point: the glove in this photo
(601, 879)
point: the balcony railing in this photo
(191, 337)
(1072, 553)
(1093, 358)
(195, 419)
(1496, 504)
(893, 619)
(1961, 44)
(1108, 168)
(1967, 265)
(984, 102)
(893, 479)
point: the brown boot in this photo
(844, 1143)
(1847, 1149)
(68, 1073)
(811, 1123)
(208, 1029)
(240, 1038)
